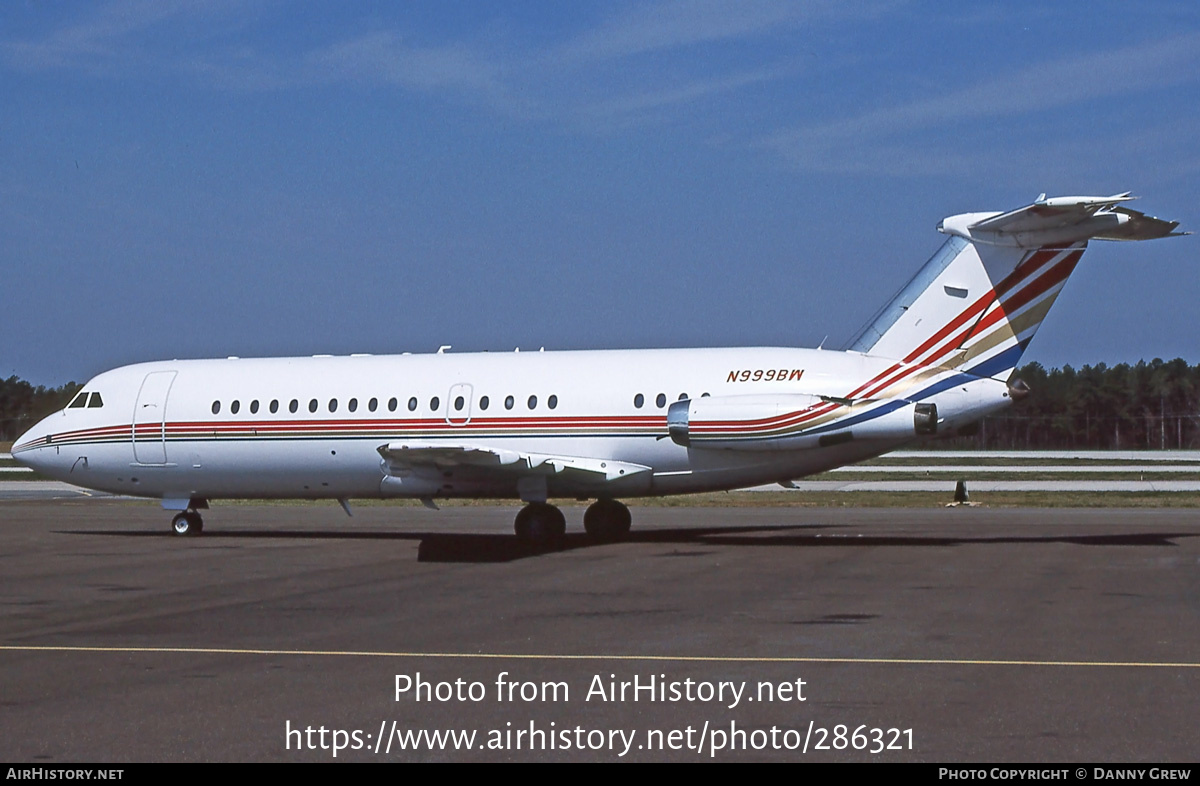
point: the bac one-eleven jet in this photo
(599, 425)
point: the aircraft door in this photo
(150, 418)
(458, 405)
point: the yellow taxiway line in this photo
(568, 657)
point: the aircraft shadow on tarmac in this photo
(472, 547)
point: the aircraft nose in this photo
(26, 451)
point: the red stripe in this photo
(387, 424)
(1056, 275)
(1019, 275)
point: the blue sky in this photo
(192, 179)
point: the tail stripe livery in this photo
(1030, 280)
(1030, 252)
(992, 310)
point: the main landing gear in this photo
(542, 524)
(607, 521)
(187, 523)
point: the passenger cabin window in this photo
(552, 402)
(459, 403)
(483, 402)
(412, 404)
(312, 405)
(532, 402)
(353, 405)
(79, 401)
(639, 400)
(508, 402)
(216, 407)
(434, 403)
(682, 396)
(392, 405)
(661, 400)
(373, 404)
(234, 407)
(295, 405)
(254, 407)
(333, 405)
(274, 405)
(95, 401)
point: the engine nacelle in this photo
(910, 420)
(790, 422)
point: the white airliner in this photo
(596, 425)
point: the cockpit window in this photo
(96, 401)
(78, 401)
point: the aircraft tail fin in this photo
(976, 304)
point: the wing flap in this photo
(399, 456)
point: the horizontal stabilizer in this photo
(405, 454)
(1141, 227)
(1059, 221)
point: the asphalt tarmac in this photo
(948, 635)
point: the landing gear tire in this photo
(187, 524)
(540, 524)
(607, 521)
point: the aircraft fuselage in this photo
(588, 424)
(312, 427)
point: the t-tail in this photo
(976, 304)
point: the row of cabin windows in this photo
(393, 404)
(93, 400)
(660, 400)
(90, 401)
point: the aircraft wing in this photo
(408, 453)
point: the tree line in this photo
(1147, 406)
(22, 404)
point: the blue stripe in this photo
(838, 425)
(1004, 361)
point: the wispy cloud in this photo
(388, 57)
(244, 70)
(391, 58)
(582, 77)
(598, 72)
(614, 68)
(101, 40)
(632, 107)
(875, 137)
(684, 23)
